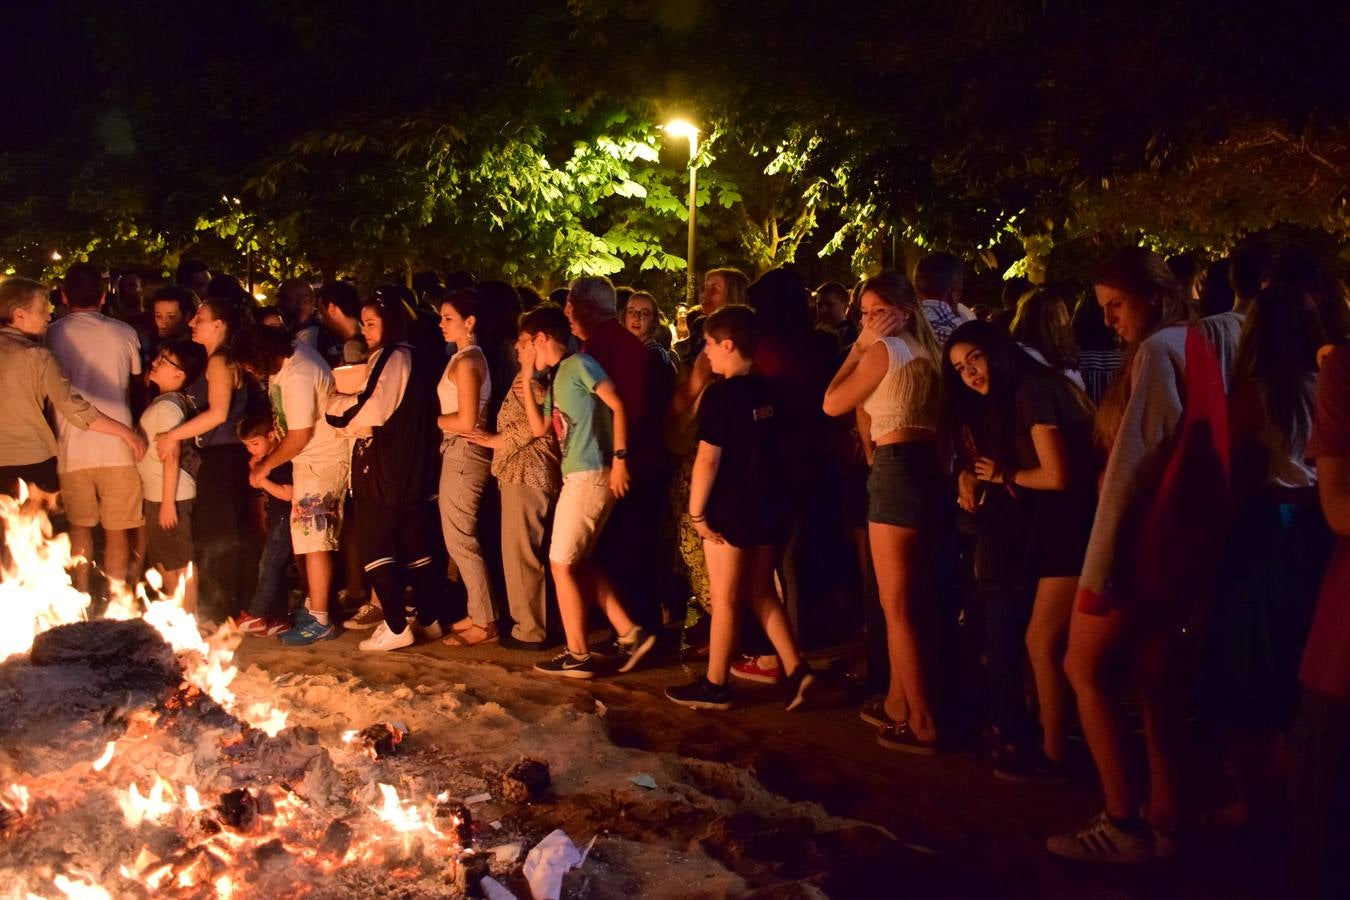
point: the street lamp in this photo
(682, 128)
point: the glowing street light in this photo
(682, 128)
(56, 256)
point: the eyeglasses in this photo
(641, 314)
(168, 360)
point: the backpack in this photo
(189, 458)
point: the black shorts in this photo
(41, 474)
(1063, 523)
(170, 549)
(908, 486)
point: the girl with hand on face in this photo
(464, 391)
(891, 378)
(1022, 434)
(1153, 552)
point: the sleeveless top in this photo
(448, 392)
(226, 433)
(907, 396)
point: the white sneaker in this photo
(1100, 841)
(384, 640)
(432, 632)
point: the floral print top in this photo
(524, 458)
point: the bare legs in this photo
(1095, 644)
(116, 554)
(319, 572)
(896, 553)
(573, 583)
(738, 575)
(1047, 636)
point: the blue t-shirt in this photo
(581, 420)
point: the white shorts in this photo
(583, 507)
(316, 507)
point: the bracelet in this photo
(694, 518)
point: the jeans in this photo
(270, 598)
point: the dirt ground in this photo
(961, 832)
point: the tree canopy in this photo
(522, 140)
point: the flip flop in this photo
(458, 639)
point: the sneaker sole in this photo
(875, 721)
(906, 747)
(701, 704)
(274, 631)
(639, 651)
(758, 679)
(315, 640)
(1078, 855)
(353, 625)
(565, 673)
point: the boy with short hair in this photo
(584, 409)
(268, 614)
(737, 503)
(169, 485)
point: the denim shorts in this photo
(908, 486)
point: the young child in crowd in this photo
(737, 504)
(169, 485)
(267, 614)
(584, 409)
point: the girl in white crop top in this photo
(891, 379)
(465, 466)
(890, 376)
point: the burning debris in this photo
(137, 759)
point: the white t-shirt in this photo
(99, 355)
(299, 394)
(161, 415)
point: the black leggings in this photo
(395, 547)
(225, 544)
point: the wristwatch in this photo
(621, 454)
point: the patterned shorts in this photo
(316, 508)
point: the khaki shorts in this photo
(316, 507)
(582, 510)
(108, 495)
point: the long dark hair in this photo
(1278, 351)
(989, 420)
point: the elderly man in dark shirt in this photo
(631, 545)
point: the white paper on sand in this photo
(493, 889)
(549, 861)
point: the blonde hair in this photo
(895, 290)
(1143, 275)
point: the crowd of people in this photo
(1145, 509)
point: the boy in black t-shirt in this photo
(268, 614)
(737, 504)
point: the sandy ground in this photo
(960, 832)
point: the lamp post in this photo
(682, 128)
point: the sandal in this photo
(465, 638)
(462, 625)
(899, 737)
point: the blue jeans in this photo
(270, 598)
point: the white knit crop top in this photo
(907, 396)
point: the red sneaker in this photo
(749, 669)
(250, 624)
(275, 627)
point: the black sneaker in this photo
(632, 649)
(1011, 764)
(797, 684)
(700, 694)
(568, 666)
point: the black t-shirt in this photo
(741, 416)
(1043, 399)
